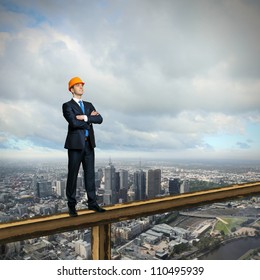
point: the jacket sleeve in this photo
(70, 116)
(94, 119)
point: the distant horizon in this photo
(137, 160)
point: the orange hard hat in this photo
(74, 81)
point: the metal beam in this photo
(47, 225)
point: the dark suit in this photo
(80, 150)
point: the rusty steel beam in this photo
(101, 242)
(47, 225)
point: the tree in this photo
(233, 229)
(181, 248)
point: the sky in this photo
(172, 79)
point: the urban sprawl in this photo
(34, 189)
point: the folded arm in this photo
(70, 116)
(94, 117)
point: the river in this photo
(233, 250)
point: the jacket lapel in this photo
(76, 106)
(87, 108)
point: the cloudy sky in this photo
(175, 79)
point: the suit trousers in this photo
(85, 156)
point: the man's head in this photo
(76, 86)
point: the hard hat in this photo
(74, 81)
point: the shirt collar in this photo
(77, 100)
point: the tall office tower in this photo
(80, 191)
(123, 176)
(185, 187)
(61, 188)
(117, 186)
(110, 196)
(153, 186)
(99, 174)
(80, 182)
(174, 186)
(139, 184)
(43, 189)
(98, 178)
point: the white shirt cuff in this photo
(85, 118)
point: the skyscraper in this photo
(153, 186)
(43, 189)
(174, 186)
(98, 178)
(110, 196)
(139, 184)
(123, 176)
(61, 188)
(185, 187)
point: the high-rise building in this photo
(185, 187)
(123, 177)
(99, 174)
(117, 184)
(98, 178)
(139, 184)
(110, 196)
(80, 191)
(174, 186)
(43, 189)
(153, 186)
(61, 188)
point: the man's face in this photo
(77, 89)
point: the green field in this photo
(231, 222)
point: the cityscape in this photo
(226, 230)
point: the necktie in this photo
(83, 110)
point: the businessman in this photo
(80, 142)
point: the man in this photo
(80, 143)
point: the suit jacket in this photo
(76, 128)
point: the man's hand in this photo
(80, 117)
(94, 113)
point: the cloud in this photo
(243, 145)
(186, 130)
(164, 75)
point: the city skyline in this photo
(30, 190)
(171, 79)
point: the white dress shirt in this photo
(77, 100)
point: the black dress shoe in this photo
(96, 208)
(73, 212)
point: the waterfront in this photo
(233, 250)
